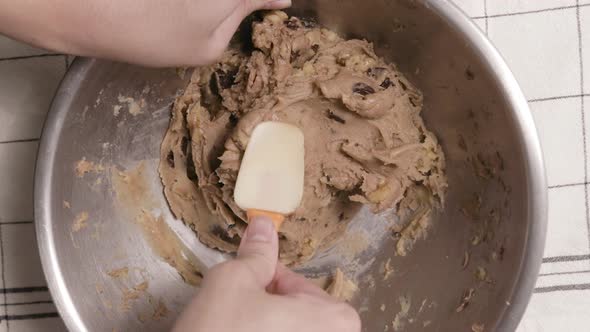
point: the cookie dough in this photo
(365, 142)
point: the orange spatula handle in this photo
(277, 218)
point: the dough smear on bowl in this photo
(365, 142)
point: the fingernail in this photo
(260, 229)
(278, 4)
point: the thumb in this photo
(259, 250)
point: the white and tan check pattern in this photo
(545, 42)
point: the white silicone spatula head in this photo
(270, 180)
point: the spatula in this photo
(270, 179)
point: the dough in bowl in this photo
(365, 142)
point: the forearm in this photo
(54, 25)
(116, 29)
(149, 32)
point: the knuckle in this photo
(248, 6)
(211, 55)
(259, 255)
(224, 270)
(241, 268)
(251, 265)
(349, 319)
(356, 324)
(209, 51)
(217, 49)
(233, 274)
(219, 270)
(217, 46)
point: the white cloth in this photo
(547, 45)
(545, 42)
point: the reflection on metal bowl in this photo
(477, 266)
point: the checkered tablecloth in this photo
(545, 42)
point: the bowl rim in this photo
(536, 186)
(54, 122)
(536, 180)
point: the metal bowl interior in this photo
(472, 103)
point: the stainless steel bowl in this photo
(472, 103)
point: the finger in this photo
(287, 282)
(311, 314)
(259, 250)
(225, 30)
(252, 5)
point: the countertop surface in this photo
(545, 42)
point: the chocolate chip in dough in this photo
(184, 145)
(223, 235)
(386, 83)
(226, 78)
(469, 75)
(233, 119)
(308, 22)
(295, 55)
(403, 85)
(170, 159)
(376, 71)
(292, 24)
(332, 116)
(362, 89)
(191, 171)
